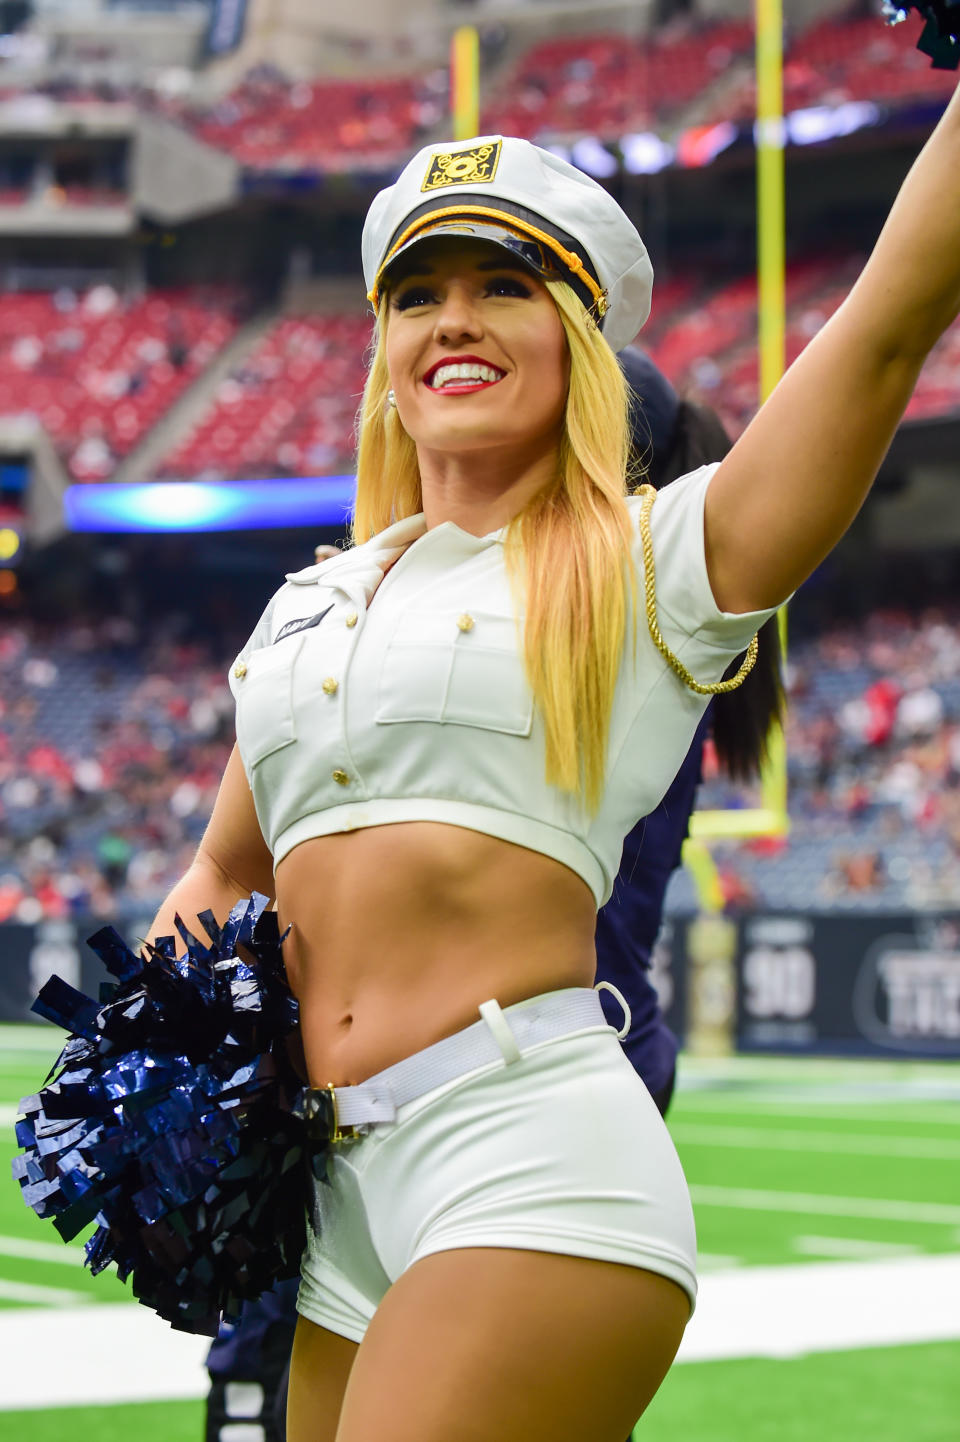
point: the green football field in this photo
(791, 1165)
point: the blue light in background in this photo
(646, 154)
(818, 123)
(592, 157)
(210, 505)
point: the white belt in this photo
(500, 1034)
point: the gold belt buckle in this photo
(340, 1134)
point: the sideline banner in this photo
(16, 946)
(31, 954)
(227, 21)
(850, 985)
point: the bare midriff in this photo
(399, 932)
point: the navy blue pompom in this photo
(177, 1122)
(941, 34)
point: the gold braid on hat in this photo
(714, 688)
(523, 228)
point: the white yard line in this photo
(824, 1307)
(114, 1352)
(876, 1208)
(850, 1248)
(698, 1071)
(826, 1109)
(59, 1254)
(32, 1293)
(704, 1134)
(124, 1353)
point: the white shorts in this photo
(561, 1151)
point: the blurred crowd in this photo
(113, 742)
(112, 746)
(99, 370)
(873, 743)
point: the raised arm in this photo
(796, 478)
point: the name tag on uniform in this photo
(292, 627)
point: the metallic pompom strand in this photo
(941, 35)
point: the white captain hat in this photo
(559, 222)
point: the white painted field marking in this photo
(861, 1072)
(123, 1352)
(8, 1115)
(824, 1307)
(32, 1292)
(852, 1248)
(877, 1208)
(58, 1254)
(825, 1109)
(28, 1041)
(115, 1352)
(796, 1139)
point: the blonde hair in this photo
(567, 553)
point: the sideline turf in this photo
(884, 1394)
(147, 1422)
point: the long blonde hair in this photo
(567, 553)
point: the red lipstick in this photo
(467, 386)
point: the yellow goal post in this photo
(771, 818)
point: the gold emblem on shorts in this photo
(463, 167)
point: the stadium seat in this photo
(289, 409)
(98, 371)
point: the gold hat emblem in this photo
(463, 167)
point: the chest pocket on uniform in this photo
(264, 696)
(458, 667)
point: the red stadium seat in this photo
(290, 408)
(98, 369)
(607, 84)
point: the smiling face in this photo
(476, 351)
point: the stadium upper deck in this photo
(606, 85)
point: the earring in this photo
(391, 399)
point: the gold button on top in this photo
(352, 619)
(330, 685)
(465, 622)
(341, 777)
(239, 670)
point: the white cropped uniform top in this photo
(417, 708)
